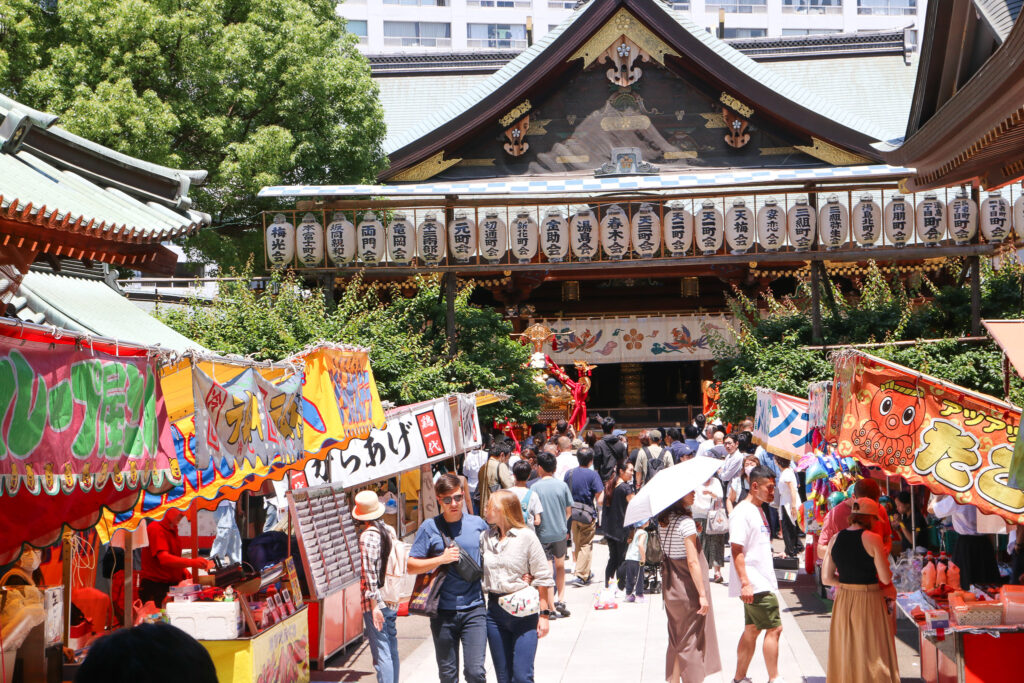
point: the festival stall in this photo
(415, 438)
(954, 442)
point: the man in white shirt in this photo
(974, 552)
(566, 459)
(752, 576)
(717, 439)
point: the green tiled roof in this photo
(774, 80)
(90, 306)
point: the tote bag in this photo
(426, 592)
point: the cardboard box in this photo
(206, 620)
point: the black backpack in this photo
(654, 465)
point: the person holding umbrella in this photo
(686, 590)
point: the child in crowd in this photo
(636, 554)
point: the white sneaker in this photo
(777, 680)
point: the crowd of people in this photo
(529, 509)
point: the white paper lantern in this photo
(341, 239)
(554, 236)
(401, 238)
(899, 221)
(739, 228)
(430, 241)
(462, 237)
(678, 229)
(583, 234)
(930, 217)
(866, 219)
(801, 224)
(995, 217)
(524, 237)
(771, 225)
(615, 232)
(309, 241)
(963, 218)
(646, 231)
(370, 233)
(493, 237)
(833, 224)
(1018, 216)
(710, 227)
(280, 242)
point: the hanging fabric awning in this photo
(339, 402)
(1009, 335)
(953, 440)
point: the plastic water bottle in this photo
(940, 570)
(953, 576)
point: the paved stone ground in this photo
(577, 649)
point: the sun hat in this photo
(368, 507)
(865, 506)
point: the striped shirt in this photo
(674, 534)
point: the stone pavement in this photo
(629, 643)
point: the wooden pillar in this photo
(450, 283)
(816, 334)
(129, 580)
(975, 264)
(1006, 376)
(67, 557)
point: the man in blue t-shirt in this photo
(588, 491)
(461, 615)
(553, 531)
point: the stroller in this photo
(652, 560)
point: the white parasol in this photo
(671, 484)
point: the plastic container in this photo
(953, 576)
(206, 620)
(1012, 600)
(928, 573)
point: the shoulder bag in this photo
(466, 568)
(718, 520)
(581, 512)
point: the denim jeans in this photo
(634, 580)
(451, 628)
(513, 644)
(383, 645)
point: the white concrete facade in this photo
(438, 26)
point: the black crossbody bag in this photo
(466, 568)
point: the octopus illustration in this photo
(889, 434)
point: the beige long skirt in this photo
(692, 640)
(860, 642)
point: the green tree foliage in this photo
(257, 92)
(771, 348)
(406, 336)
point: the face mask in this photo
(30, 560)
(747, 470)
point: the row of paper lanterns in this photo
(617, 235)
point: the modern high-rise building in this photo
(408, 26)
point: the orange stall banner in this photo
(950, 439)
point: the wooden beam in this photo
(450, 284)
(640, 267)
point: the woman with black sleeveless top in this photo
(860, 645)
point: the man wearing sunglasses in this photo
(453, 539)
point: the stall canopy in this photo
(1009, 335)
(339, 402)
(950, 439)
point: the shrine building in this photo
(617, 180)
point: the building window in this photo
(808, 31)
(887, 7)
(498, 36)
(561, 4)
(738, 6)
(417, 34)
(522, 4)
(812, 6)
(425, 3)
(745, 32)
(357, 27)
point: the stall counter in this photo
(278, 654)
(965, 654)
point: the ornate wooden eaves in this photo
(623, 25)
(426, 169)
(623, 53)
(836, 156)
